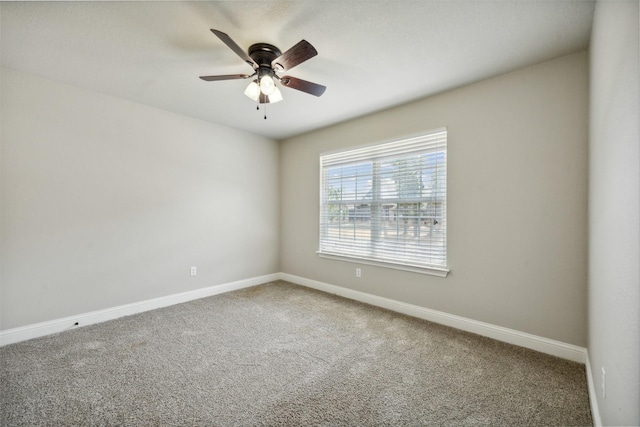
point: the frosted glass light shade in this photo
(276, 96)
(253, 91)
(267, 85)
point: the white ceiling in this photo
(372, 54)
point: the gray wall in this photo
(614, 211)
(106, 202)
(517, 201)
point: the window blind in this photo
(387, 202)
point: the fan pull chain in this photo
(265, 111)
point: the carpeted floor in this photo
(281, 354)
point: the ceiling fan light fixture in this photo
(253, 91)
(267, 85)
(276, 96)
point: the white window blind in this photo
(386, 203)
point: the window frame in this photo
(374, 155)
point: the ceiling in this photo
(372, 55)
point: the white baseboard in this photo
(511, 336)
(23, 333)
(544, 345)
(593, 397)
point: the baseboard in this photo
(544, 345)
(511, 336)
(593, 397)
(24, 333)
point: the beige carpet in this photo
(281, 354)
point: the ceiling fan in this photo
(266, 61)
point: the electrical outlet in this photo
(194, 271)
(604, 384)
(358, 272)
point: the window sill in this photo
(433, 271)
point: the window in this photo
(386, 204)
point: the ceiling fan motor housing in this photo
(263, 54)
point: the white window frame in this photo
(377, 250)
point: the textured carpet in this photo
(281, 354)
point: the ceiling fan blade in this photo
(225, 77)
(303, 85)
(294, 56)
(234, 47)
